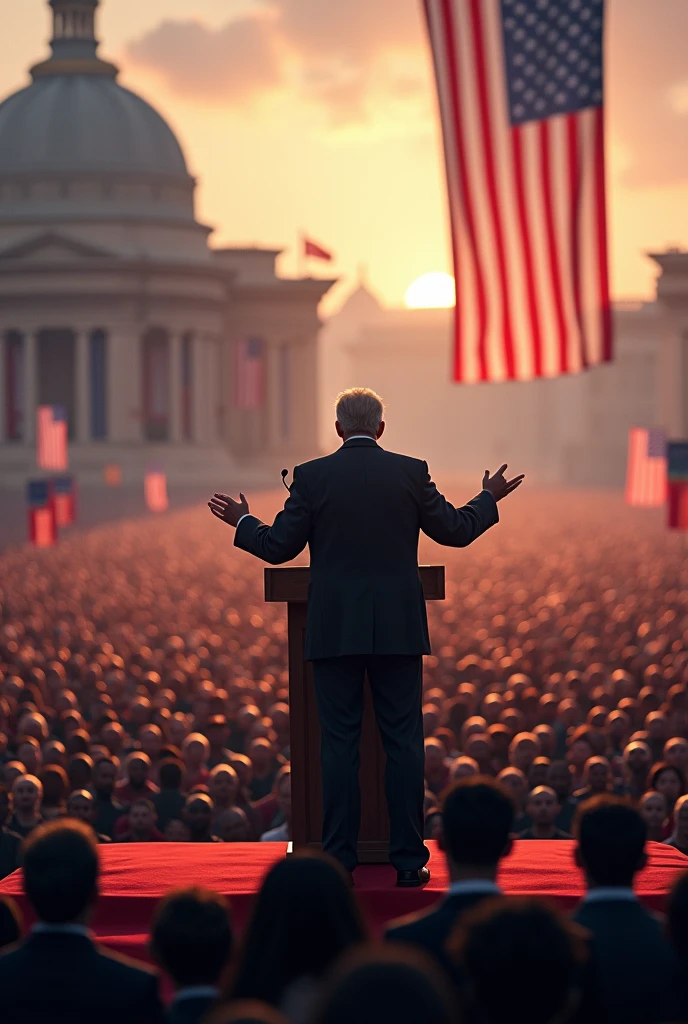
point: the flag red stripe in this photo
(555, 271)
(601, 220)
(531, 287)
(449, 36)
(485, 122)
(574, 218)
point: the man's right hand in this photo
(498, 485)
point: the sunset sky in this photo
(322, 115)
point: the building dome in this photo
(83, 156)
(79, 123)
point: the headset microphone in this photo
(285, 474)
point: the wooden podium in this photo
(290, 585)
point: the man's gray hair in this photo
(359, 410)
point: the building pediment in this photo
(51, 247)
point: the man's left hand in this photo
(227, 509)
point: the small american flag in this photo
(249, 373)
(51, 437)
(155, 487)
(677, 459)
(520, 94)
(646, 472)
(42, 525)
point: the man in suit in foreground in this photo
(477, 820)
(633, 956)
(59, 975)
(361, 510)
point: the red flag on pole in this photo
(677, 459)
(521, 104)
(646, 469)
(315, 251)
(63, 493)
(155, 487)
(51, 437)
(42, 526)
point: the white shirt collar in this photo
(359, 437)
(609, 892)
(474, 886)
(44, 928)
(196, 992)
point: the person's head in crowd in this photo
(198, 816)
(11, 772)
(283, 791)
(537, 773)
(191, 937)
(618, 728)
(523, 750)
(580, 750)
(543, 806)
(29, 753)
(55, 752)
(547, 739)
(654, 811)
(668, 780)
(137, 769)
(499, 943)
(677, 916)
(103, 778)
(517, 784)
(303, 919)
(232, 826)
(78, 741)
(60, 863)
(81, 805)
(176, 831)
(675, 753)
(244, 769)
(386, 983)
(679, 835)
(477, 821)
(80, 771)
(479, 749)
(463, 767)
(195, 751)
(611, 839)
(657, 727)
(27, 795)
(223, 786)
(55, 789)
(178, 729)
(597, 774)
(114, 737)
(435, 757)
(141, 820)
(151, 740)
(170, 774)
(474, 724)
(11, 922)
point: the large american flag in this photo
(520, 92)
(646, 470)
(249, 371)
(51, 437)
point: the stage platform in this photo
(135, 876)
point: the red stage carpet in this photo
(135, 876)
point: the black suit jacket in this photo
(56, 978)
(429, 929)
(361, 510)
(635, 963)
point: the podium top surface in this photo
(290, 583)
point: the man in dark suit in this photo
(477, 822)
(361, 510)
(634, 959)
(192, 941)
(59, 975)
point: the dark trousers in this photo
(396, 687)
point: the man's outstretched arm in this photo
(284, 540)
(459, 527)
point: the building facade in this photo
(113, 304)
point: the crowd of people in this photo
(144, 692)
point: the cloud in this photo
(232, 63)
(647, 88)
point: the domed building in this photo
(114, 306)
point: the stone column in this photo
(124, 385)
(175, 343)
(30, 387)
(273, 405)
(3, 388)
(83, 388)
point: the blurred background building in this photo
(114, 305)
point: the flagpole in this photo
(301, 254)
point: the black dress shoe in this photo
(411, 879)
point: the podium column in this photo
(290, 585)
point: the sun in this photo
(435, 290)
